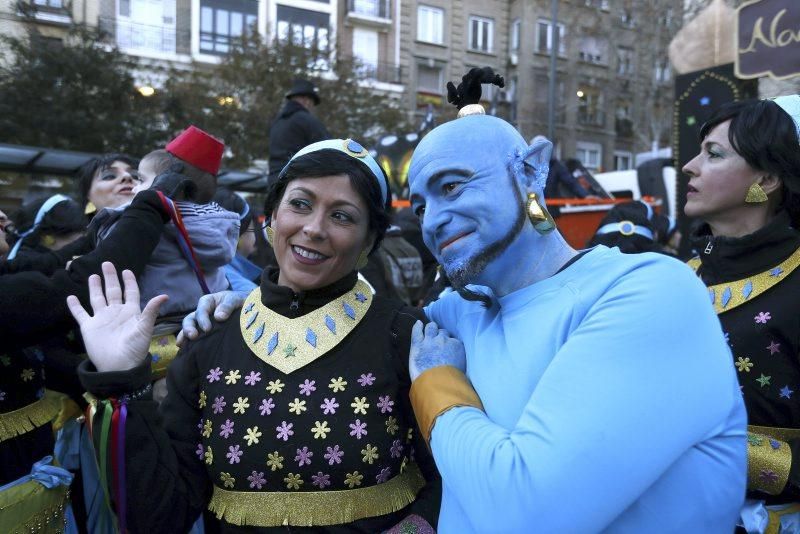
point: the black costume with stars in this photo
(233, 427)
(763, 331)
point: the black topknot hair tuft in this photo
(469, 90)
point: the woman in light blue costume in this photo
(560, 390)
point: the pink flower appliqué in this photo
(397, 449)
(266, 406)
(321, 480)
(226, 429)
(234, 454)
(358, 429)
(214, 374)
(199, 452)
(385, 404)
(252, 378)
(334, 455)
(384, 475)
(219, 404)
(762, 317)
(303, 457)
(366, 380)
(284, 431)
(257, 480)
(329, 406)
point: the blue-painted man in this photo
(563, 390)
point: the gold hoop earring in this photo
(270, 236)
(755, 195)
(539, 216)
(362, 259)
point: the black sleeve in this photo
(46, 262)
(315, 130)
(167, 485)
(33, 305)
(429, 499)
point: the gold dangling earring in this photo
(755, 195)
(362, 260)
(539, 216)
(270, 236)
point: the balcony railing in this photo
(591, 117)
(379, 9)
(133, 36)
(381, 72)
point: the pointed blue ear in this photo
(537, 156)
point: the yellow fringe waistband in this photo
(30, 417)
(316, 508)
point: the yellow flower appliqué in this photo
(202, 401)
(227, 480)
(338, 384)
(370, 454)
(391, 425)
(252, 436)
(207, 429)
(274, 461)
(241, 405)
(209, 454)
(353, 479)
(320, 430)
(232, 377)
(360, 405)
(744, 364)
(298, 406)
(293, 481)
(275, 386)
(27, 375)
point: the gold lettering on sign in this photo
(775, 40)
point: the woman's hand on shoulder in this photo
(220, 306)
(118, 335)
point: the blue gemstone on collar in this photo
(777, 271)
(775, 444)
(349, 311)
(311, 338)
(360, 297)
(726, 296)
(330, 323)
(747, 289)
(353, 146)
(259, 333)
(251, 320)
(712, 295)
(273, 342)
(249, 307)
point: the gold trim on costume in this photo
(783, 434)
(163, 350)
(289, 344)
(437, 390)
(32, 507)
(30, 417)
(316, 508)
(768, 463)
(730, 295)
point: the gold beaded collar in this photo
(289, 344)
(730, 295)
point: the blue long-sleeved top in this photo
(610, 404)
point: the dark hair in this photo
(635, 212)
(664, 227)
(88, 170)
(64, 218)
(164, 161)
(233, 202)
(765, 136)
(330, 162)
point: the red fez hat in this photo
(198, 148)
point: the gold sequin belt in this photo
(316, 508)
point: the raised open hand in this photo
(118, 335)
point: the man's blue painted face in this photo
(470, 205)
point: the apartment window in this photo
(303, 27)
(667, 18)
(590, 106)
(599, 4)
(592, 50)
(626, 16)
(224, 22)
(625, 61)
(481, 32)
(146, 26)
(365, 48)
(371, 8)
(623, 160)
(662, 70)
(544, 37)
(513, 42)
(430, 24)
(53, 4)
(589, 154)
(429, 79)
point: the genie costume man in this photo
(563, 391)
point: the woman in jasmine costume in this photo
(292, 415)
(745, 186)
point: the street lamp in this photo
(551, 90)
(146, 90)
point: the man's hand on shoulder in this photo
(432, 347)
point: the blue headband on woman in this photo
(47, 206)
(353, 149)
